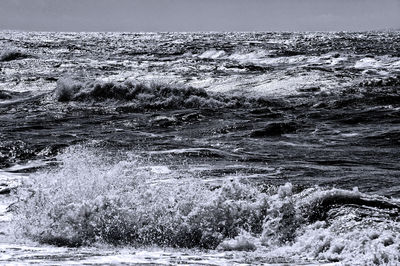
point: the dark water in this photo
(284, 145)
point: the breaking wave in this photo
(152, 95)
(125, 202)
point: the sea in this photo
(207, 148)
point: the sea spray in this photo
(86, 200)
(92, 198)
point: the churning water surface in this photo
(199, 148)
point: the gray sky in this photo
(199, 15)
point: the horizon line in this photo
(211, 31)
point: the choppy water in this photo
(199, 148)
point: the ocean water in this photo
(200, 148)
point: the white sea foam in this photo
(368, 63)
(212, 54)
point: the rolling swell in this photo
(91, 198)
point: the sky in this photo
(199, 15)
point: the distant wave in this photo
(4, 95)
(270, 57)
(13, 54)
(259, 56)
(88, 200)
(382, 82)
(250, 55)
(212, 54)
